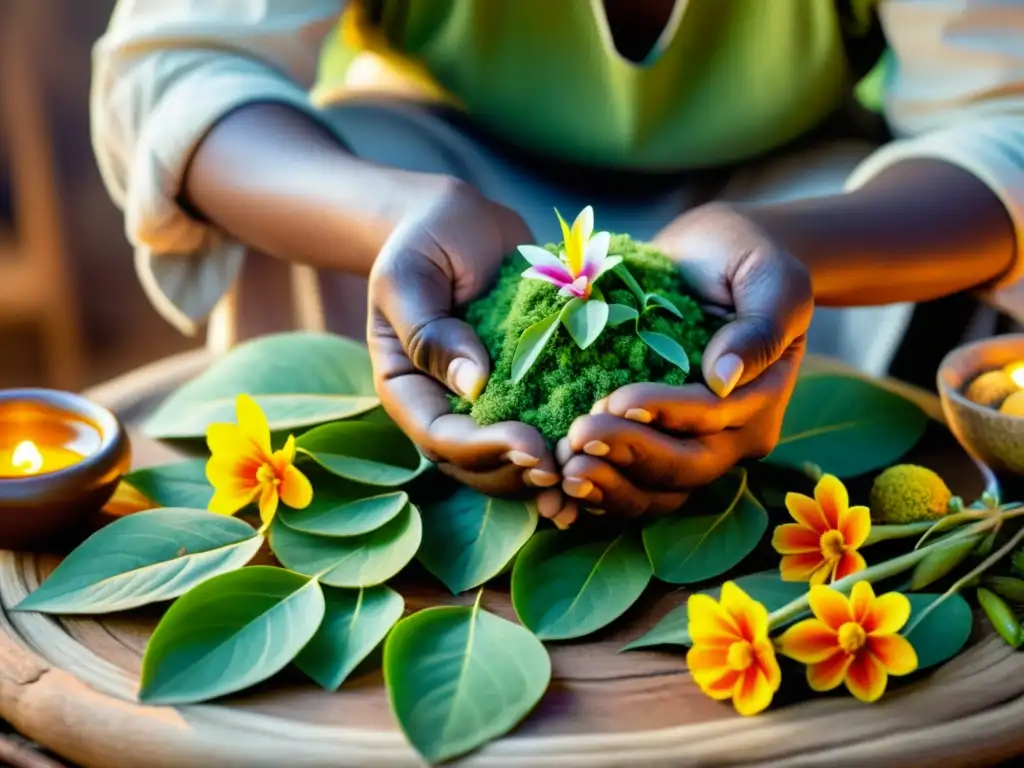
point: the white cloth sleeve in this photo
(164, 73)
(955, 92)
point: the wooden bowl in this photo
(38, 508)
(994, 438)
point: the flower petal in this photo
(750, 616)
(252, 423)
(806, 511)
(862, 597)
(855, 525)
(809, 641)
(234, 473)
(296, 490)
(540, 257)
(228, 500)
(595, 253)
(831, 495)
(269, 498)
(287, 453)
(227, 439)
(824, 574)
(709, 623)
(849, 562)
(894, 652)
(829, 674)
(866, 678)
(794, 539)
(753, 694)
(889, 613)
(583, 226)
(830, 606)
(703, 658)
(718, 684)
(557, 276)
(610, 263)
(764, 653)
(800, 567)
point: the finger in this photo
(567, 516)
(550, 503)
(461, 441)
(504, 481)
(618, 495)
(687, 409)
(773, 309)
(650, 458)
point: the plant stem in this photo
(888, 532)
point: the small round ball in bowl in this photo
(995, 438)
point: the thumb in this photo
(774, 301)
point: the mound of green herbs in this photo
(566, 381)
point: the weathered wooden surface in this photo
(70, 684)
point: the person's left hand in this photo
(646, 445)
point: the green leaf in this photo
(766, 587)
(687, 547)
(364, 453)
(458, 676)
(531, 344)
(630, 282)
(182, 484)
(667, 347)
(585, 320)
(1001, 616)
(144, 558)
(355, 622)
(621, 313)
(846, 426)
(941, 561)
(564, 588)
(342, 508)
(470, 538)
(300, 363)
(229, 633)
(654, 300)
(352, 561)
(943, 632)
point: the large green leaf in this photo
(666, 347)
(300, 363)
(344, 508)
(355, 622)
(352, 561)
(458, 676)
(182, 484)
(846, 426)
(144, 558)
(564, 586)
(531, 344)
(943, 632)
(364, 453)
(655, 301)
(585, 319)
(687, 547)
(229, 633)
(469, 538)
(621, 313)
(767, 587)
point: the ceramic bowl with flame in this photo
(61, 458)
(995, 438)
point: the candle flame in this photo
(1017, 374)
(27, 457)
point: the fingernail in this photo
(466, 378)
(597, 448)
(577, 487)
(521, 459)
(725, 374)
(542, 478)
(564, 519)
(549, 505)
(601, 406)
(639, 415)
(595, 511)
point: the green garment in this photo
(728, 80)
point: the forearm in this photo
(276, 181)
(920, 230)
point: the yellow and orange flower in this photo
(853, 640)
(243, 468)
(821, 546)
(731, 656)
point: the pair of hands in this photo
(644, 446)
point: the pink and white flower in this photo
(584, 258)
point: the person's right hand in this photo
(434, 261)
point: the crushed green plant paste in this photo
(566, 381)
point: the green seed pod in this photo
(1007, 587)
(938, 563)
(984, 549)
(956, 505)
(1001, 616)
(990, 500)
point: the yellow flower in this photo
(853, 640)
(731, 656)
(243, 469)
(822, 545)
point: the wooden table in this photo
(70, 683)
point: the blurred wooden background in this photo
(110, 318)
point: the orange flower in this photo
(821, 546)
(853, 640)
(243, 469)
(731, 656)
